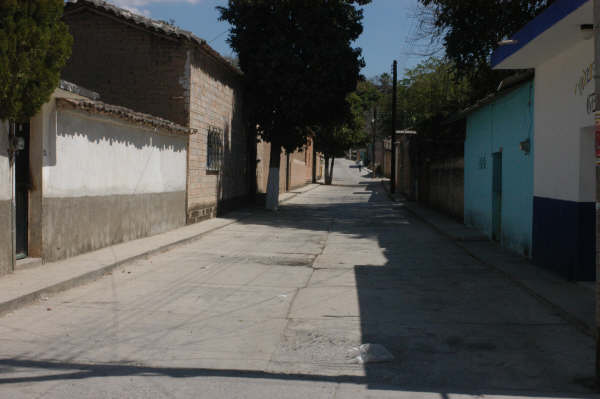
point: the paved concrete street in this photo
(268, 307)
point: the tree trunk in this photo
(331, 171)
(252, 165)
(13, 210)
(272, 202)
(326, 169)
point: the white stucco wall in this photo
(99, 156)
(564, 137)
(5, 187)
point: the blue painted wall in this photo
(501, 126)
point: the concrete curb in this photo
(88, 277)
(581, 325)
(295, 192)
(9, 306)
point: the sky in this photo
(389, 26)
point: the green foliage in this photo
(471, 29)
(334, 139)
(368, 94)
(430, 93)
(298, 62)
(34, 46)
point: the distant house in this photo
(154, 67)
(89, 175)
(558, 45)
(498, 165)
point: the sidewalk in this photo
(30, 284)
(573, 301)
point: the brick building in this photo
(161, 70)
(295, 169)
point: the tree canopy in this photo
(471, 29)
(34, 46)
(428, 95)
(298, 62)
(432, 91)
(334, 139)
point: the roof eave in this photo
(535, 28)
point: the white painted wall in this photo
(99, 156)
(564, 144)
(5, 186)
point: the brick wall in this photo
(308, 160)
(216, 101)
(263, 157)
(387, 162)
(262, 166)
(174, 79)
(441, 186)
(284, 170)
(406, 176)
(299, 168)
(127, 65)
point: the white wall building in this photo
(558, 45)
(91, 175)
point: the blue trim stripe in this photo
(564, 237)
(550, 16)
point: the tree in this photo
(34, 46)
(370, 96)
(299, 65)
(433, 91)
(471, 29)
(429, 94)
(334, 140)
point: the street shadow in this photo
(453, 325)
(72, 371)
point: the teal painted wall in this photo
(501, 126)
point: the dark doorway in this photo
(497, 197)
(22, 186)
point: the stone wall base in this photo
(72, 226)
(5, 237)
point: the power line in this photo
(218, 36)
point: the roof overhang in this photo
(550, 33)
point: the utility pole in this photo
(597, 120)
(394, 84)
(374, 124)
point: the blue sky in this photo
(389, 26)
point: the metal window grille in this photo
(214, 151)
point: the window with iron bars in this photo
(214, 150)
